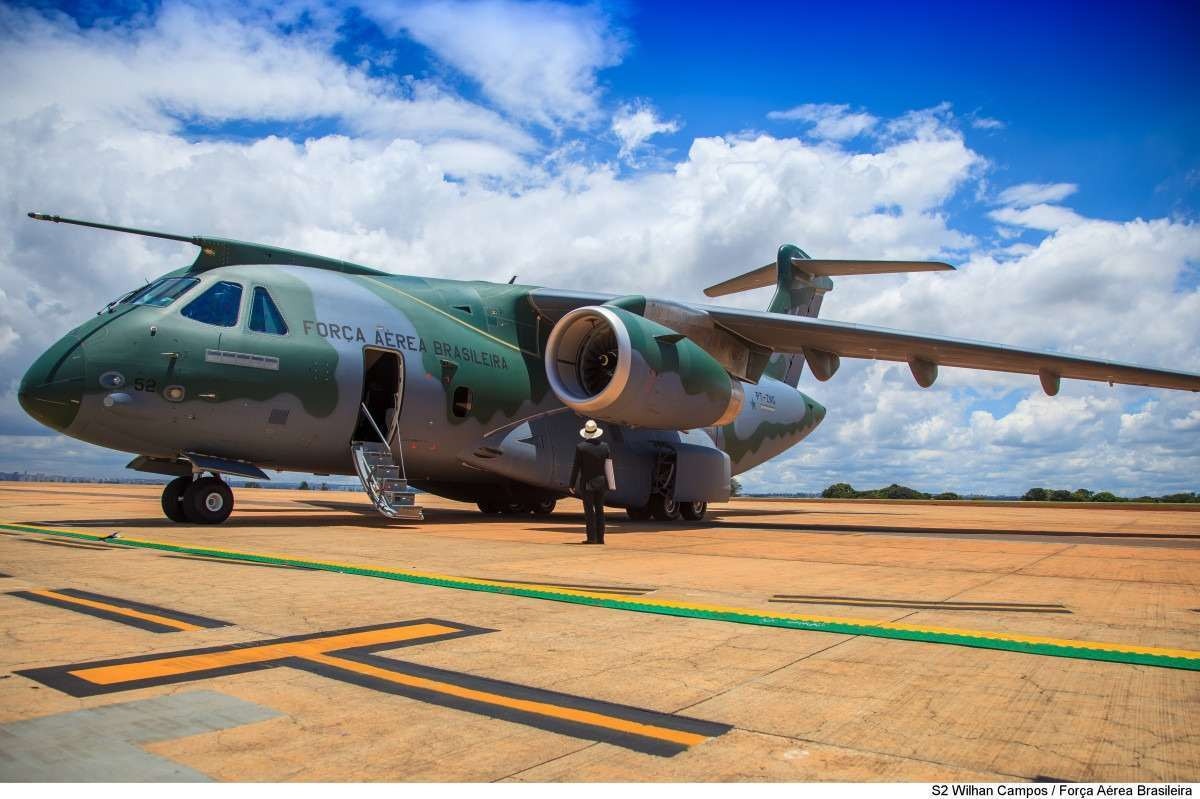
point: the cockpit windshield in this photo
(160, 293)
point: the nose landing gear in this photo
(207, 500)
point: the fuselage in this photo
(279, 382)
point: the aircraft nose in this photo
(52, 389)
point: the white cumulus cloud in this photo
(1026, 194)
(829, 121)
(1037, 217)
(634, 124)
(535, 60)
(414, 165)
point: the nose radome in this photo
(52, 389)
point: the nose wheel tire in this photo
(544, 508)
(663, 509)
(208, 501)
(693, 511)
(172, 499)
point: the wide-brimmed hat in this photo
(591, 430)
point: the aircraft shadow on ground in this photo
(349, 514)
(234, 521)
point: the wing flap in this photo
(797, 334)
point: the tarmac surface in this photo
(170, 653)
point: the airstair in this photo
(384, 481)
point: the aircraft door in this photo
(382, 395)
(194, 345)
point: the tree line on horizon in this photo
(896, 491)
(1084, 495)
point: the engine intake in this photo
(606, 362)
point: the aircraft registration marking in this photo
(1166, 657)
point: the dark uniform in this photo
(591, 484)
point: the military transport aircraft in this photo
(256, 357)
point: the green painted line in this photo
(1114, 653)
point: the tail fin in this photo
(800, 284)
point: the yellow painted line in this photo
(188, 664)
(526, 705)
(752, 615)
(134, 614)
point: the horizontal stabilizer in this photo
(767, 275)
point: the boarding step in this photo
(384, 482)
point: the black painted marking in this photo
(922, 601)
(600, 589)
(3, 575)
(1032, 536)
(227, 562)
(100, 613)
(63, 678)
(574, 729)
(70, 544)
(852, 601)
(115, 615)
(177, 615)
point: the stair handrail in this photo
(375, 427)
(386, 443)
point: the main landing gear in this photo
(661, 506)
(668, 510)
(207, 500)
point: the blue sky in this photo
(1048, 149)
(1105, 90)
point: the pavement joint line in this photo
(1164, 657)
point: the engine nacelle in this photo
(610, 364)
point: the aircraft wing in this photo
(823, 342)
(817, 338)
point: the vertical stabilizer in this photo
(797, 293)
(800, 284)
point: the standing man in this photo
(591, 478)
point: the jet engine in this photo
(608, 363)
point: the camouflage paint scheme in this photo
(479, 418)
(301, 415)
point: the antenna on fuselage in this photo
(136, 231)
(512, 280)
(216, 252)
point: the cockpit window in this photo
(160, 293)
(264, 315)
(218, 305)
